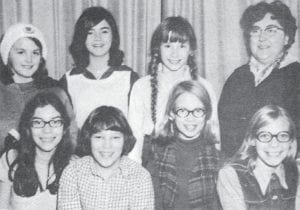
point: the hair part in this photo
(25, 178)
(279, 12)
(101, 119)
(89, 18)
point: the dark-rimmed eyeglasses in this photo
(266, 137)
(39, 123)
(269, 31)
(183, 113)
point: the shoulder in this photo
(78, 165)
(134, 170)
(143, 82)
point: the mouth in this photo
(106, 154)
(263, 47)
(174, 62)
(190, 127)
(47, 139)
(27, 66)
(274, 154)
(98, 45)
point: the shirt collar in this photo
(263, 175)
(89, 75)
(124, 169)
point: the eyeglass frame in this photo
(265, 30)
(47, 123)
(188, 112)
(273, 135)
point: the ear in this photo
(286, 39)
(252, 142)
(171, 116)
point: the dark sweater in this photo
(240, 99)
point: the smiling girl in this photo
(173, 51)
(99, 77)
(23, 74)
(263, 173)
(104, 178)
(182, 158)
(30, 172)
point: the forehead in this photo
(188, 101)
(101, 25)
(25, 43)
(46, 112)
(277, 125)
(108, 132)
(266, 21)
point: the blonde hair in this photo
(166, 129)
(261, 118)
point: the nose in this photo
(262, 36)
(98, 35)
(274, 142)
(106, 143)
(174, 51)
(47, 128)
(29, 57)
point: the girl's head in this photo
(270, 137)
(105, 135)
(96, 33)
(44, 129)
(188, 112)
(173, 44)
(23, 52)
(44, 124)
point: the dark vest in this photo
(276, 197)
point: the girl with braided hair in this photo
(173, 47)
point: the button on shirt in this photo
(82, 187)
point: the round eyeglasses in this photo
(183, 113)
(39, 123)
(269, 31)
(266, 137)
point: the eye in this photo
(57, 122)
(36, 123)
(184, 45)
(105, 31)
(37, 53)
(20, 52)
(90, 32)
(166, 45)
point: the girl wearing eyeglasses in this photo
(31, 169)
(263, 173)
(182, 158)
(270, 76)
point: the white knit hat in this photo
(17, 31)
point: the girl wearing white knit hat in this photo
(23, 74)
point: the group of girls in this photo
(172, 129)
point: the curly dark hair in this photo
(6, 74)
(182, 31)
(22, 171)
(279, 11)
(88, 19)
(104, 118)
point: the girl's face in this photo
(47, 128)
(24, 58)
(273, 152)
(174, 55)
(267, 40)
(99, 39)
(107, 147)
(189, 116)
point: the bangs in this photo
(106, 124)
(174, 36)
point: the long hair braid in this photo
(153, 66)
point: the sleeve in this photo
(230, 190)
(5, 183)
(68, 197)
(73, 125)
(214, 118)
(136, 115)
(143, 197)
